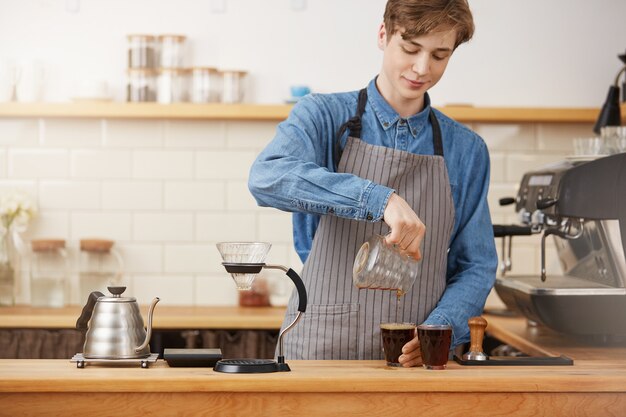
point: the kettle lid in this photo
(117, 296)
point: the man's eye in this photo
(410, 51)
(439, 57)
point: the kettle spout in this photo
(149, 329)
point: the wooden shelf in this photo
(165, 317)
(116, 110)
(276, 112)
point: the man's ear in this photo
(382, 37)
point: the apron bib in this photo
(341, 321)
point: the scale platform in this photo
(81, 361)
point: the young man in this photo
(383, 161)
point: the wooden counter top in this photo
(165, 317)
(595, 385)
(54, 375)
(34, 387)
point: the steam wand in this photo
(564, 234)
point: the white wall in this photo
(524, 53)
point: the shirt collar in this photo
(388, 117)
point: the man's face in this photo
(413, 66)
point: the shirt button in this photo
(369, 216)
(402, 121)
(331, 210)
(386, 124)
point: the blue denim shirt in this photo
(295, 173)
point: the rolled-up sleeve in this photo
(294, 172)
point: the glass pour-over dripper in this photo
(244, 253)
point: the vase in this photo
(7, 269)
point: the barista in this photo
(383, 161)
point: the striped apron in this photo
(341, 321)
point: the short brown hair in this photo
(419, 17)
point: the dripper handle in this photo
(301, 289)
(85, 315)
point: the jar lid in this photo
(175, 70)
(209, 69)
(177, 38)
(46, 245)
(233, 71)
(96, 245)
(140, 36)
(144, 71)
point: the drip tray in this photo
(518, 361)
(81, 361)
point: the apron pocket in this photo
(327, 331)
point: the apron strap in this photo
(353, 125)
(437, 141)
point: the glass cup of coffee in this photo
(395, 336)
(435, 340)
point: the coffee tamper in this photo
(477, 327)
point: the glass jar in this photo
(613, 139)
(205, 86)
(172, 85)
(171, 49)
(232, 85)
(49, 273)
(141, 51)
(8, 268)
(141, 85)
(100, 267)
(379, 266)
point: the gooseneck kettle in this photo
(114, 326)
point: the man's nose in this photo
(421, 65)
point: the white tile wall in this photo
(78, 195)
(38, 163)
(101, 164)
(133, 133)
(3, 163)
(163, 164)
(167, 191)
(72, 133)
(163, 227)
(216, 227)
(136, 195)
(197, 196)
(108, 225)
(195, 134)
(19, 132)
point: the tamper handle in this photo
(477, 327)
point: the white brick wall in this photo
(167, 191)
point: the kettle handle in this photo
(85, 315)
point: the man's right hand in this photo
(407, 230)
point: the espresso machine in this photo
(582, 205)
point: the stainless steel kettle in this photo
(114, 326)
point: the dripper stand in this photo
(244, 260)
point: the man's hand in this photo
(411, 354)
(407, 230)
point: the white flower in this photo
(16, 208)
